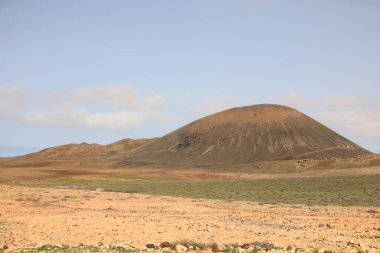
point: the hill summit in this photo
(244, 135)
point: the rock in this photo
(265, 245)
(245, 246)
(150, 246)
(39, 244)
(5, 246)
(279, 247)
(99, 189)
(215, 247)
(180, 248)
(240, 250)
(321, 250)
(289, 247)
(329, 226)
(166, 245)
(328, 251)
(100, 244)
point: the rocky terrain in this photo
(46, 218)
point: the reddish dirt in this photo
(31, 216)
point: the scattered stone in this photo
(240, 250)
(245, 246)
(215, 247)
(150, 246)
(180, 248)
(166, 245)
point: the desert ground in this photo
(119, 210)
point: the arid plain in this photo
(299, 188)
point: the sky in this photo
(98, 71)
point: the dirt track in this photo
(61, 216)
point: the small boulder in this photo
(215, 247)
(150, 246)
(166, 245)
(180, 248)
(240, 250)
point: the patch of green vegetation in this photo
(344, 191)
(70, 180)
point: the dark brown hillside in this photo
(246, 135)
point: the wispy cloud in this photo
(121, 97)
(297, 100)
(343, 102)
(12, 101)
(358, 123)
(359, 117)
(113, 107)
(213, 106)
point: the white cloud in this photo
(120, 97)
(12, 101)
(355, 116)
(13, 93)
(121, 120)
(358, 123)
(113, 107)
(297, 101)
(343, 102)
(213, 106)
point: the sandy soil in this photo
(30, 216)
(20, 174)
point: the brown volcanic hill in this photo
(246, 135)
(77, 153)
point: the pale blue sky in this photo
(190, 57)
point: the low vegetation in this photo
(344, 191)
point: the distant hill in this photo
(237, 136)
(83, 153)
(245, 135)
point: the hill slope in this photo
(246, 135)
(82, 153)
